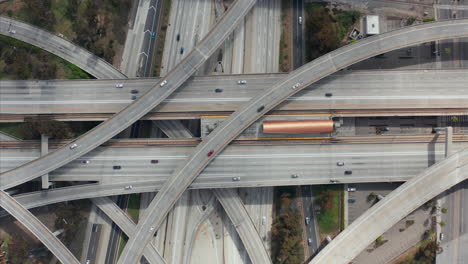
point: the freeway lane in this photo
(399, 203)
(255, 165)
(60, 47)
(136, 110)
(183, 176)
(376, 89)
(37, 228)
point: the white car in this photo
(242, 82)
(263, 220)
(152, 228)
(294, 176)
(128, 187)
(340, 163)
(235, 178)
(163, 83)
(296, 86)
(85, 161)
(12, 31)
(73, 146)
(300, 20)
(351, 189)
(119, 85)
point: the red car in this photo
(210, 153)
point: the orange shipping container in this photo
(298, 126)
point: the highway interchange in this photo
(240, 119)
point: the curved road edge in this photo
(37, 228)
(399, 203)
(261, 104)
(241, 220)
(60, 47)
(137, 109)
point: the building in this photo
(372, 25)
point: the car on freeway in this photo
(210, 153)
(85, 161)
(163, 83)
(178, 37)
(263, 220)
(181, 50)
(134, 97)
(340, 163)
(152, 228)
(309, 241)
(12, 31)
(294, 176)
(351, 189)
(333, 180)
(260, 109)
(299, 20)
(295, 86)
(385, 129)
(128, 187)
(328, 94)
(441, 236)
(88, 261)
(119, 85)
(153, 35)
(307, 220)
(235, 178)
(351, 201)
(348, 172)
(154, 161)
(73, 146)
(117, 167)
(218, 90)
(134, 91)
(242, 82)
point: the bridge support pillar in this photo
(448, 141)
(44, 151)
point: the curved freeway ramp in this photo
(127, 225)
(136, 110)
(37, 228)
(261, 104)
(399, 203)
(241, 220)
(60, 47)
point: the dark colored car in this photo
(134, 91)
(117, 167)
(218, 90)
(348, 172)
(154, 161)
(260, 109)
(351, 201)
(178, 37)
(134, 97)
(210, 153)
(328, 94)
(181, 50)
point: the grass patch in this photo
(429, 20)
(13, 129)
(161, 35)
(122, 243)
(328, 197)
(133, 208)
(20, 60)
